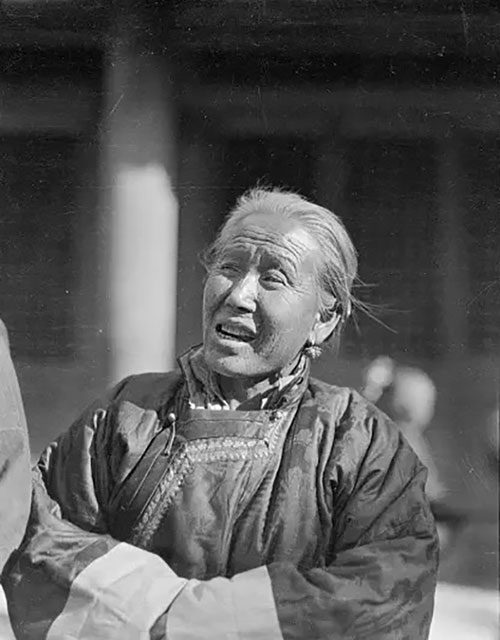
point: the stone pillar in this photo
(140, 212)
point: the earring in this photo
(312, 350)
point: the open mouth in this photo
(234, 332)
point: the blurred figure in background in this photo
(408, 396)
(15, 475)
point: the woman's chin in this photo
(234, 365)
(231, 367)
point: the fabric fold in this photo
(117, 597)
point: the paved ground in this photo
(462, 613)
(465, 613)
(5, 629)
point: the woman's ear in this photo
(323, 329)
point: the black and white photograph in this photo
(249, 319)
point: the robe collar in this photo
(205, 392)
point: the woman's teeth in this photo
(234, 333)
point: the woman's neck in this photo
(237, 391)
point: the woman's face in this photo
(261, 301)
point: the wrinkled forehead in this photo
(269, 233)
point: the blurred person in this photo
(15, 482)
(238, 497)
(408, 396)
(15, 478)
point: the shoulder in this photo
(122, 407)
(356, 431)
(346, 406)
(147, 390)
(118, 425)
(366, 462)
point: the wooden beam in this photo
(425, 28)
(350, 111)
(54, 23)
(46, 107)
(382, 28)
(21, 37)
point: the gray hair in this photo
(339, 266)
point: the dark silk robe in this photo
(150, 519)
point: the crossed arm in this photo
(71, 579)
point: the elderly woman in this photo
(238, 498)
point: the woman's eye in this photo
(228, 267)
(274, 277)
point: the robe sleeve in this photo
(73, 580)
(70, 579)
(377, 583)
(14, 457)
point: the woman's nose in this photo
(243, 293)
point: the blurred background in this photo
(127, 130)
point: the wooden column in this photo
(140, 215)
